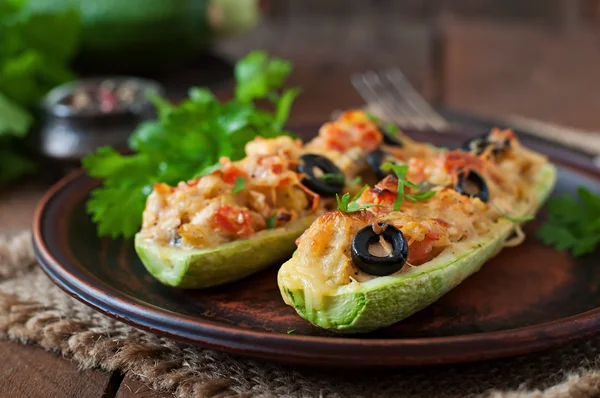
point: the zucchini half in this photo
(229, 262)
(386, 300)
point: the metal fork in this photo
(390, 95)
(396, 100)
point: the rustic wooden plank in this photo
(495, 69)
(132, 388)
(27, 371)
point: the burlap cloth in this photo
(34, 311)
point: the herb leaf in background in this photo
(187, 141)
(35, 49)
(14, 120)
(573, 223)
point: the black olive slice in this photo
(389, 138)
(309, 164)
(479, 144)
(375, 160)
(476, 145)
(473, 185)
(379, 265)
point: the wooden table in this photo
(488, 68)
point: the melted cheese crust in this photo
(207, 212)
(323, 261)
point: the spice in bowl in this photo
(81, 116)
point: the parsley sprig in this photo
(392, 128)
(239, 184)
(187, 141)
(272, 221)
(349, 205)
(333, 178)
(400, 172)
(573, 223)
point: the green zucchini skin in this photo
(197, 269)
(384, 301)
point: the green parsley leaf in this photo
(291, 331)
(348, 205)
(400, 171)
(36, 47)
(272, 221)
(355, 181)
(209, 170)
(372, 117)
(187, 141)
(14, 119)
(412, 185)
(343, 202)
(240, 183)
(359, 193)
(257, 76)
(573, 224)
(513, 219)
(420, 196)
(392, 128)
(284, 105)
(333, 178)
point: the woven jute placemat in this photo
(34, 311)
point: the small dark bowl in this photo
(64, 134)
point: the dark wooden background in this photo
(538, 58)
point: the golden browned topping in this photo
(430, 225)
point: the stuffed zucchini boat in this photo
(247, 214)
(415, 235)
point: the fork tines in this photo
(397, 100)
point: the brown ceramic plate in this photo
(526, 299)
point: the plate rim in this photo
(299, 349)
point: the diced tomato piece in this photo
(390, 183)
(459, 160)
(277, 168)
(441, 222)
(233, 221)
(231, 172)
(418, 251)
(284, 182)
(379, 197)
(352, 116)
(416, 170)
(336, 138)
(370, 139)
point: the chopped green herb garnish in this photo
(511, 218)
(411, 184)
(348, 205)
(372, 117)
(359, 193)
(355, 181)
(392, 128)
(421, 196)
(400, 171)
(271, 221)
(573, 223)
(333, 178)
(291, 331)
(210, 169)
(240, 183)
